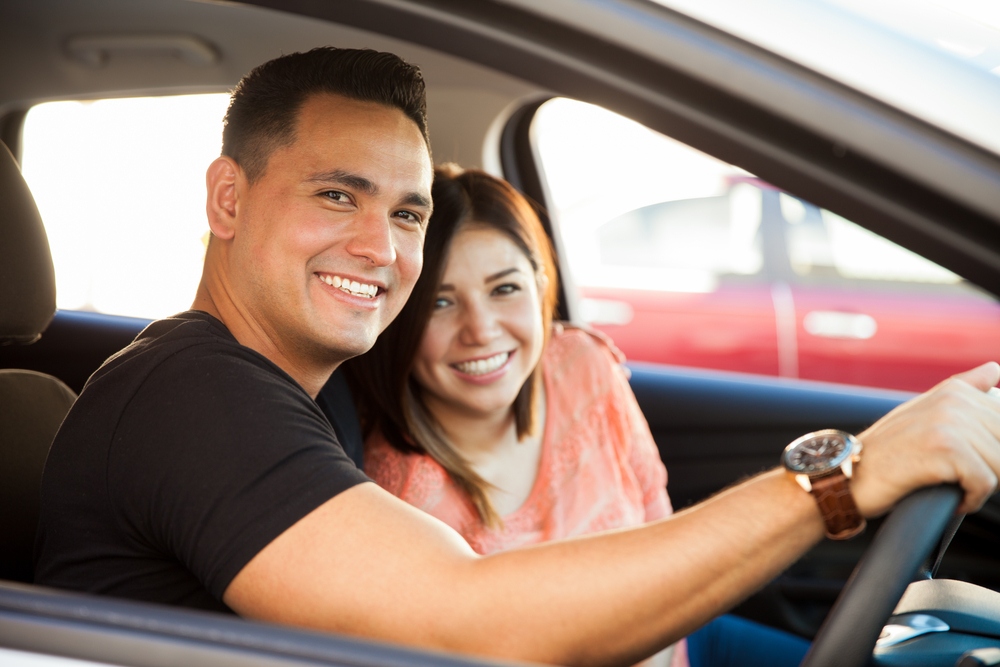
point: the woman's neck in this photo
(477, 437)
(491, 446)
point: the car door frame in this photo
(700, 109)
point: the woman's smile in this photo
(486, 369)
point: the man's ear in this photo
(221, 180)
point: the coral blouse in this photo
(599, 467)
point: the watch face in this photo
(817, 452)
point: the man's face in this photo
(329, 240)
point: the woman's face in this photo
(485, 335)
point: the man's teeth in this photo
(350, 286)
(483, 366)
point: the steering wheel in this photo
(903, 543)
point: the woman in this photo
(482, 412)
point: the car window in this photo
(120, 186)
(708, 235)
(823, 243)
(684, 259)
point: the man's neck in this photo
(311, 377)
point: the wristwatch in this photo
(823, 463)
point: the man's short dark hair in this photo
(266, 102)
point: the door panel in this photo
(885, 334)
(714, 429)
(729, 328)
(40, 621)
(870, 312)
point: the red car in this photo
(769, 284)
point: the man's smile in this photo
(352, 287)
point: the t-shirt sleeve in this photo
(215, 456)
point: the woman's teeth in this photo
(350, 286)
(483, 366)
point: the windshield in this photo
(938, 60)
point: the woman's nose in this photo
(481, 325)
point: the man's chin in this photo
(341, 349)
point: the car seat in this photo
(32, 404)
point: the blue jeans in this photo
(731, 641)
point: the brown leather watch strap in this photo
(836, 504)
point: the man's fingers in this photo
(949, 434)
(977, 467)
(979, 473)
(978, 487)
(983, 377)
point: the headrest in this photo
(27, 280)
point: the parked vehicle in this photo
(756, 280)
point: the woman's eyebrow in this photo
(500, 274)
(448, 287)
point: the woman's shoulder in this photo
(399, 472)
(582, 349)
(419, 480)
(583, 369)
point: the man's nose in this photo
(481, 324)
(371, 238)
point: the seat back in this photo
(32, 405)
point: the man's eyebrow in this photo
(341, 177)
(417, 199)
(448, 287)
(366, 185)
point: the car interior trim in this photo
(147, 635)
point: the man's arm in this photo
(366, 563)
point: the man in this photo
(195, 468)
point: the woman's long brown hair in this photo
(387, 396)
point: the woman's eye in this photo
(506, 288)
(441, 302)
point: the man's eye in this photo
(409, 216)
(337, 196)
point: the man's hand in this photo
(951, 434)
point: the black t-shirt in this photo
(184, 456)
